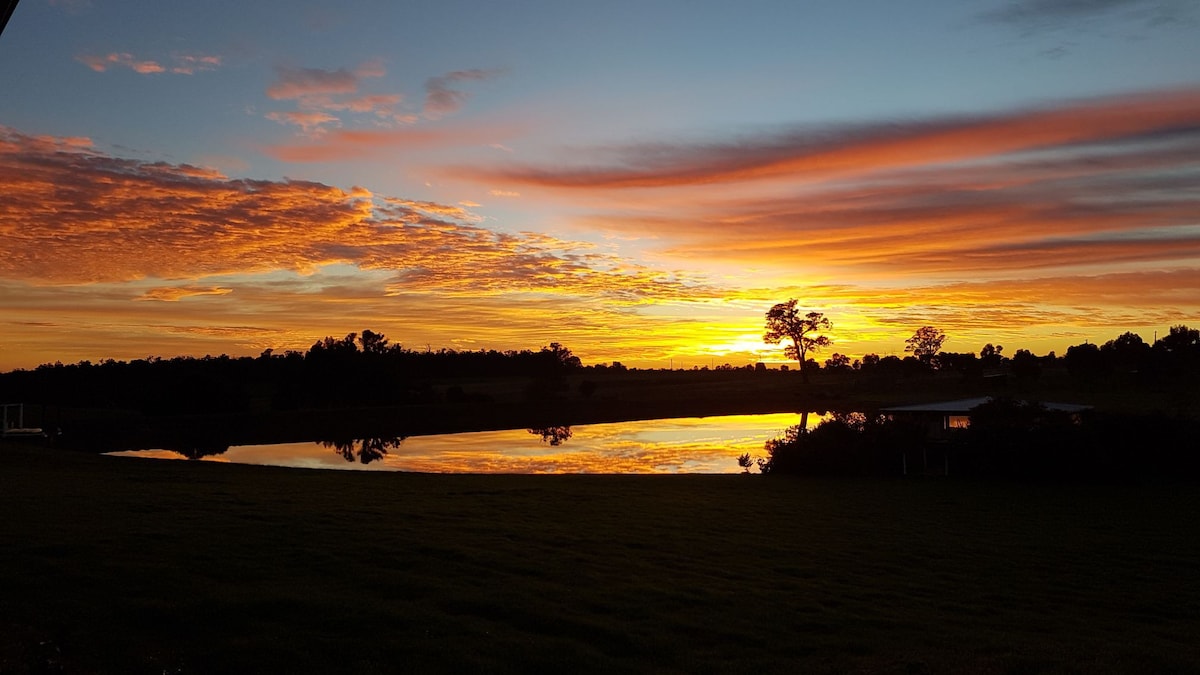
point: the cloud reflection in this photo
(685, 445)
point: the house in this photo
(942, 416)
(12, 421)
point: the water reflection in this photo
(367, 450)
(682, 445)
(553, 435)
(199, 450)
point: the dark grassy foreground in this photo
(129, 565)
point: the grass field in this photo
(128, 565)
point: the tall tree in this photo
(1180, 339)
(373, 343)
(925, 343)
(784, 321)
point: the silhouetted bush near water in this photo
(1006, 440)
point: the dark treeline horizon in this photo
(367, 369)
(1117, 352)
(356, 369)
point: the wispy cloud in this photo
(358, 144)
(1074, 186)
(442, 95)
(321, 93)
(859, 149)
(101, 63)
(180, 64)
(176, 293)
(1065, 20)
(188, 64)
(297, 83)
(309, 122)
(1042, 13)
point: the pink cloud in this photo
(298, 83)
(188, 64)
(124, 60)
(184, 64)
(321, 93)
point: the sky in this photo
(638, 180)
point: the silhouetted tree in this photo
(745, 462)
(366, 450)
(373, 343)
(1084, 361)
(784, 321)
(1180, 339)
(869, 361)
(846, 443)
(837, 362)
(200, 451)
(1125, 352)
(1025, 365)
(554, 435)
(966, 363)
(925, 343)
(333, 348)
(991, 356)
(562, 357)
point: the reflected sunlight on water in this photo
(683, 445)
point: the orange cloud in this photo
(79, 216)
(175, 293)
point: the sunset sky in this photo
(639, 180)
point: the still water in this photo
(681, 445)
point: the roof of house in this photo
(963, 406)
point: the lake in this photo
(681, 445)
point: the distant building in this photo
(942, 416)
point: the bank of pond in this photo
(999, 438)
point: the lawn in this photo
(129, 565)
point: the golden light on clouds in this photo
(1038, 227)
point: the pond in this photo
(680, 445)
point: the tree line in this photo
(357, 369)
(1177, 352)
